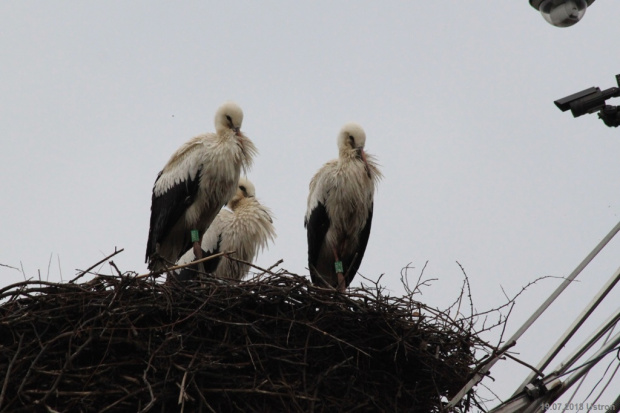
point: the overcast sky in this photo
(456, 99)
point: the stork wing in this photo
(168, 207)
(352, 263)
(190, 272)
(211, 244)
(316, 225)
(218, 230)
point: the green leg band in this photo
(338, 266)
(195, 236)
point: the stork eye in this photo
(230, 122)
(352, 140)
(242, 188)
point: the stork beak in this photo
(362, 155)
(237, 131)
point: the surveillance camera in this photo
(588, 100)
(592, 100)
(561, 13)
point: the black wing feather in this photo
(352, 264)
(190, 272)
(168, 208)
(317, 226)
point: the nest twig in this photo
(273, 343)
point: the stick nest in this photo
(274, 343)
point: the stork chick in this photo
(246, 227)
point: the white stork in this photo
(245, 227)
(340, 206)
(200, 177)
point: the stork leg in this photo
(197, 239)
(198, 255)
(197, 250)
(342, 285)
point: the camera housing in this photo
(561, 13)
(592, 100)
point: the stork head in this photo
(245, 189)
(228, 117)
(351, 141)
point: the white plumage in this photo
(246, 228)
(340, 208)
(200, 177)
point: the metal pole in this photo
(576, 375)
(615, 406)
(588, 343)
(521, 401)
(537, 405)
(573, 328)
(485, 369)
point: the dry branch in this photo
(273, 343)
